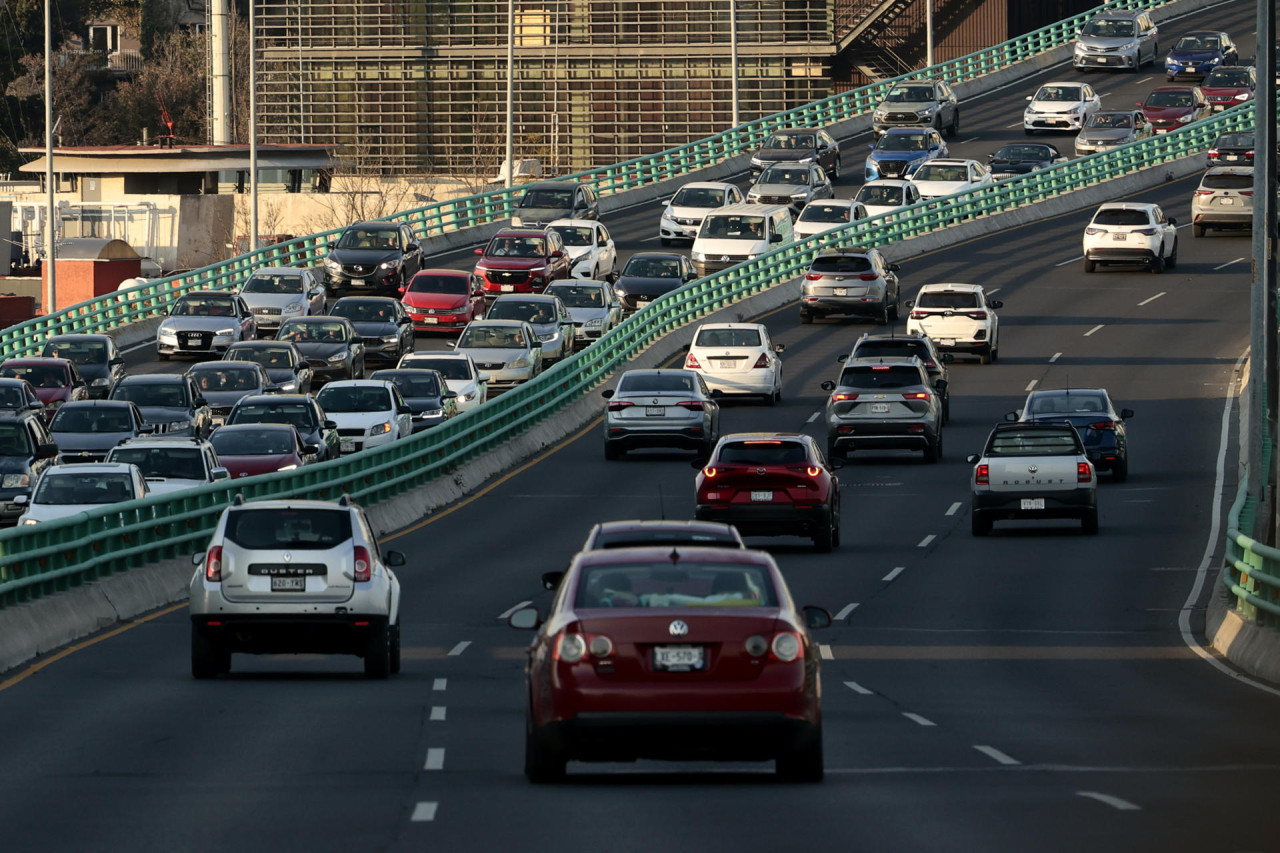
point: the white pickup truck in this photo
(1033, 471)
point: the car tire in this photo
(954, 130)
(835, 169)
(1198, 230)
(613, 451)
(664, 241)
(1120, 471)
(883, 319)
(823, 540)
(395, 647)
(806, 318)
(1028, 131)
(804, 762)
(979, 524)
(209, 658)
(1157, 265)
(995, 353)
(1172, 261)
(984, 355)
(933, 451)
(1090, 265)
(1089, 522)
(162, 356)
(895, 310)
(946, 409)
(834, 452)
(377, 650)
(544, 761)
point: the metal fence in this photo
(48, 557)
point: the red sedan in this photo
(56, 381)
(442, 300)
(771, 484)
(248, 449)
(676, 654)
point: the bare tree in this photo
(359, 191)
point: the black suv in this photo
(798, 145)
(26, 449)
(170, 403)
(376, 258)
(921, 346)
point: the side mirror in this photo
(482, 377)
(20, 500)
(775, 237)
(116, 361)
(331, 246)
(972, 457)
(607, 393)
(526, 619)
(716, 393)
(403, 410)
(47, 451)
(557, 255)
(311, 449)
(613, 277)
(406, 319)
(835, 463)
(551, 580)
(828, 386)
(842, 357)
(330, 424)
(412, 247)
(872, 146)
(271, 388)
(479, 251)
(298, 368)
(448, 395)
(393, 559)
(665, 201)
(197, 559)
(894, 267)
(1013, 416)
(1125, 414)
(1172, 221)
(779, 347)
(699, 463)
(220, 474)
(816, 617)
(201, 401)
(947, 357)
(941, 384)
(995, 303)
(1028, 97)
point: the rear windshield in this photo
(92, 419)
(656, 382)
(1066, 404)
(879, 349)
(182, 463)
(947, 299)
(762, 453)
(267, 440)
(840, 264)
(1041, 442)
(640, 538)
(1227, 182)
(879, 376)
(1115, 216)
(727, 338)
(289, 528)
(686, 584)
(88, 352)
(1234, 140)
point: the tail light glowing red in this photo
(868, 276)
(691, 363)
(916, 395)
(1084, 472)
(619, 405)
(1204, 192)
(813, 276)
(761, 362)
(841, 397)
(1109, 426)
(982, 475)
(1213, 154)
(364, 565)
(709, 472)
(213, 565)
(691, 405)
(813, 470)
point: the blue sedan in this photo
(900, 151)
(1198, 53)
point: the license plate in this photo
(842, 291)
(655, 411)
(507, 288)
(357, 282)
(1231, 157)
(726, 363)
(946, 342)
(677, 657)
(429, 320)
(1103, 60)
(347, 447)
(290, 584)
(1120, 236)
(762, 496)
(1033, 503)
(879, 408)
(1227, 201)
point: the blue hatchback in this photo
(1198, 53)
(900, 151)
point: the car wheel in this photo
(895, 309)
(1089, 523)
(933, 452)
(377, 650)
(823, 539)
(835, 169)
(777, 395)
(1028, 131)
(1090, 265)
(980, 524)
(208, 657)
(984, 355)
(954, 130)
(1157, 265)
(1198, 230)
(1120, 471)
(806, 318)
(664, 241)
(612, 451)
(835, 530)
(1172, 261)
(946, 409)
(804, 762)
(544, 761)
(995, 354)
(883, 319)
(395, 647)
(834, 452)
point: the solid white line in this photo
(924, 543)
(825, 651)
(857, 688)
(1151, 298)
(504, 614)
(1114, 802)
(435, 759)
(459, 649)
(893, 574)
(1031, 386)
(647, 239)
(1227, 264)
(437, 713)
(916, 718)
(1094, 329)
(440, 684)
(423, 812)
(136, 347)
(953, 508)
(1056, 356)
(992, 752)
(813, 417)
(1072, 261)
(845, 611)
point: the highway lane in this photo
(1038, 646)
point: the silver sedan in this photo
(660, 408)
(507, 350)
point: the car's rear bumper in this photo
(850, 306)
(687, 736)
(755, 386)
(1073, 503)
(884, 435)
(1238, 219)
(1116, 255)
(689, 438)
(768, 519)
(317, 633)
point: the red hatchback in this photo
(1171, 107)
(771, 484)
(56, 381)
(248, 449)
(676, 654)
(442, 300)
(521, 260)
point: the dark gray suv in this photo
(26, 450)
(922, 347)
(883, 404)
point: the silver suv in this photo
(883, 404)
(1121, 39)
(852, 282)
(290, 577)
(900, 345)
(918, 103)
(1224, 199)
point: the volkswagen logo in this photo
(762, 471)
(678, 628)
(724, 257)
(1031, 469)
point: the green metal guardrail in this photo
(49, 557)
(106, 312)
(1252, 570)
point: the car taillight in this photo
(619, 405)
(931, 363)
(1146, 232)
(1093, 232)
(1110, 426)
(786, 646)
(982, 475)
(869, 276)
(916, 395)
(1246, 192)
(1084, 473)
(570, 648)
(919, 315)
(976, 315)
(813, 470)
(1213, 154)
(1204, 192)
(213, 564)
(841, 397)
(761, 362)
(691, 363)
(813, 276)
(364, 565)
(691, 405)
(709, 472)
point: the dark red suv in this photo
(521, 260)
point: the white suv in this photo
(290, 577)
(1131, 234)
(959, 318)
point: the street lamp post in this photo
(733, 56)
(511, 73)
(928, 33)
(253, 126)
(51, 225)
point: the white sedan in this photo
(66, 490)
(592, 254)
(737, 358)
(1060, 106)
(368, 412)
(683, 213)
(938, 178)
(827, 215)
(887, 195)
(459, 372)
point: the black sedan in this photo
(384, 325)
(425, 393)
(95, 356)
(331, 345)
(1089, 410)
(649, 275)
(1019, 158)
(223, 383)
(169, 403)
(85, 430)
(285, 366)
(372, 257)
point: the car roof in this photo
(764, 436)
(365, 299)
(660, 371)
(1174, 88)
(13, 380)
(79, 336)
(223, 364)
(443, 271)
(844, 252)
(276, 271)
(96, 404)
(520, 232)
(357, 383)
(288, 504)
(313, 319)
(553, 185)
(1063, 83)
(663, 553)
(82, 467)
(1125, 205)
(906, 131)
(378, 224)
(1033, 425)
(163, 441)
(977, 288)
(436, 354)
(580, 223)
(523, 297)
(864, 361)
(487, 322)
(152, 379)
(664, 523)
(1066, 392)
(707, 185)
(275, 398)
(950, 161)
(677, 255)
(224, 293)
(730, 326)
(246, 427)
(36, 359)
(911, 337)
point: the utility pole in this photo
(733, 57)
(511, 92)
(1264, 265)
(51, 225)
(253, 125)
(928, 33)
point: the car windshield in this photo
(275, 283)
(903, 142)
(884, 196)
(560, 199)
(92, 419)
(255, 441)
(727, 338)
(301, 528)
(909, 94)
(578, 297)
(179, 463)
(576, 235)
(784, 175)
(762, 452)
(167, 394)
(1066, 404)
(528, 310)
(656, 383)
(642, 267)
(296, 414)
(1120, 216)
(370, 238)
(1020, 153)
(1039, 442)
(412, 384)
(1068, 94)
(834, 264)
(204, 306)
(516, 247)
(455, 285)
(687, 583)
(348, 398)
(449, 368)
(736, 227)
(12, 398)
(790, 140)
(1110, 120)
(86, 352)
(14, 440)
(268, 357)
(1108, 29)
(640, 537)
(1226, 181)
(820, 212)
(365, 310)
(1198, 43)
(1170, 99)
(929, 172)
(334, 333)
(227, 378)
(879, 377)
(39, 375)
(947, 299)
(1229, 77)
(492, 337)
(58, 488)
(892, 347)
(698, 197)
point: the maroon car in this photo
(1229, 85)
(1171, 107)
(675, 653)
(56, 381)
(442, 300)
(521, 260)
(248, 449)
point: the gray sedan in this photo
(507, 350)
(660, 408)
(592, 305)
(274, 294)
(548, 316)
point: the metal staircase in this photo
(886, 38)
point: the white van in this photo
(739, 233)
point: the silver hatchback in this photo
(660, 408)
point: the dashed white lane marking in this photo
(916, 718)
(647, 239)
(1114, 802)
(966, 141)
(992, 752)
(1019, 124)
(813, 417)
(1227, 264)
(437, 713)
(1094, 329)
(423, 812)
(1151, 298)
(435, 759)
(924, 543)
(1071, 261)
(440, 684)
(845, 611)
(825, 651)
(857, 688)
(1145, 79)
(504, 614)
(893, 574)
(459, 649)
(1031, 386)
(994, 290)
(1056, 356)
(953, 509)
